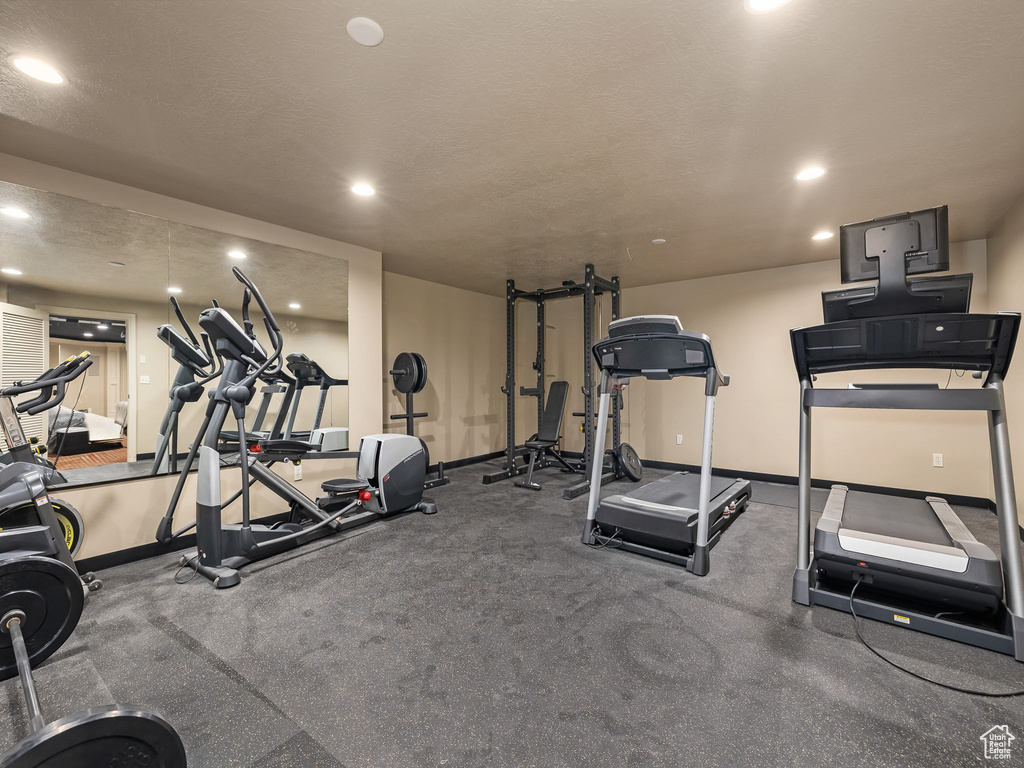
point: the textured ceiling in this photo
(68, 243)
(521, 139)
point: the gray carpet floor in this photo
(487, 635)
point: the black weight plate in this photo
(421, 382)
(629, 462)
(405, 381)
(50, 595)
(103, 736)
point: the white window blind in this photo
(24, 339)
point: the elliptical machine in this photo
(391, 468)
(193, 362)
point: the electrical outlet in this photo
(143, 379)
(679, 439)
(298, 472)
(936, 459)
(142, 359)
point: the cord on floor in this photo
(887, 660)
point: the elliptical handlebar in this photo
(272, 365)
(185, 325)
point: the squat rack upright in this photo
(591, 287)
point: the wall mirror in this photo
(126, 289)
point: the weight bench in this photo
(546, 440)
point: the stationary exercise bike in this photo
(24, 501)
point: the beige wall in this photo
(748, 317)
(461, 334)
(1006, 292)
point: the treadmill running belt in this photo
(894, 516)
(680, 489)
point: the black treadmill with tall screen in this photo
(912, 561)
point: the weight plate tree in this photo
(409, 375)
(41, 600)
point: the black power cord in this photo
(887, 660)
(612, 541)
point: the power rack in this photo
(591, 287)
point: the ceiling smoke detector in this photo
(365, 31)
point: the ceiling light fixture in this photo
(103, 327)
(658, 241)
(365, 31)
(811, 172)
(363, 190)
(15, 213)
(173, 289)
(822, 236)
(116, 263)
(40, 70)
(763, 6)
(11, 271)
(237, 254)
(295, 305)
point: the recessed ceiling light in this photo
(658, 241)
(15, 213)
(237, 254)
(295, 305)
(11, 271)
(40, 70)
(116, 263)
(763, 6)
(103, 327)
(173, 289)
(811, 172)
(365, 31)
(363, 190)
(822, 236)
(87, 335)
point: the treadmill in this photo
(308, 373)
(677, 518)
(912, 560)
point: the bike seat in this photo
(344, 485)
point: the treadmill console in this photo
(948, 293)
(665, 324)
(304, 369)
(653, 347)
